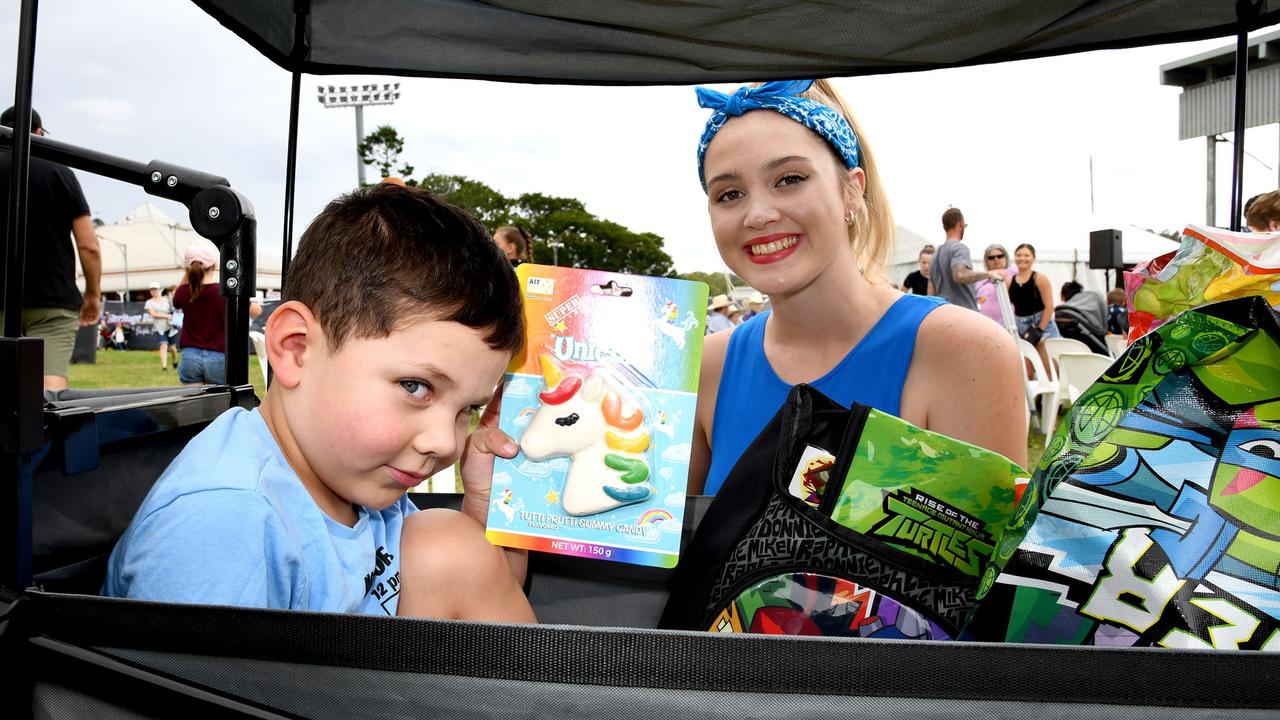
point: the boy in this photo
(398, 318)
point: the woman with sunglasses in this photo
(798, 211)
(996, 258)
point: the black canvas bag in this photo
(755, 529)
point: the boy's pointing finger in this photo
(493, 441)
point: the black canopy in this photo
(676, 41)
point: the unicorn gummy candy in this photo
(584, 420)
(601, 403)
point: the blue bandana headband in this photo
(783, 97)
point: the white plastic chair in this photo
(1053, 347)
(260, 349)
(1076, 372)
(1042, 381)
(1117, 345)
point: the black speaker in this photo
(1104, 250)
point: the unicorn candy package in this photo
(602, 405)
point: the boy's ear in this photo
(292, 334)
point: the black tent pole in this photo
(290, 175)
(1246, 14)
(301, 9)
(15, 231)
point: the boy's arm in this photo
(476, 468)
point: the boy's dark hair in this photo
(1070, 289)
(1262, 209)
(379, 255)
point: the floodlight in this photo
(357, 96)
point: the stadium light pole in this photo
(357, 96)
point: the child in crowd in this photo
(399, 316)
(1117, 315)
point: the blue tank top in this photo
(750, 392)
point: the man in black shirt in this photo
(53, 308)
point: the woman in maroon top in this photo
(203, 339)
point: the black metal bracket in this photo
(21, 394)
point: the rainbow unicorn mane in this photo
(584, 417)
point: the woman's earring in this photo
(848, 219)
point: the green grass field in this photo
(141, 368)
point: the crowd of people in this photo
(725, 314)
(1036, 311)
(190, 315)
(1073, 312)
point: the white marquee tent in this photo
(147, 246)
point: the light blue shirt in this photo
(717, 322)
(230, 523)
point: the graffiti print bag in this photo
(845, 522)
(1158, 499)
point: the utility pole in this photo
(357, 96)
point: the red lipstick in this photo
(771, 248)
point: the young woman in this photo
(1032, 296)
(203, 336)
(514, 242)
(996, 258)
(798, 212)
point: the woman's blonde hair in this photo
(873, 234)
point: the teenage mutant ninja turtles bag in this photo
(1158, 499)
(845, 522)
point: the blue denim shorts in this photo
(1026, 321)
(200, 366)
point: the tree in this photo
(563, 231)
(382, 148)
(584, 240)
(716, 281)
(489, 206)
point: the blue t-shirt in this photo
(230, 523)
(750, 392)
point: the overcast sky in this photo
(1010, 144)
